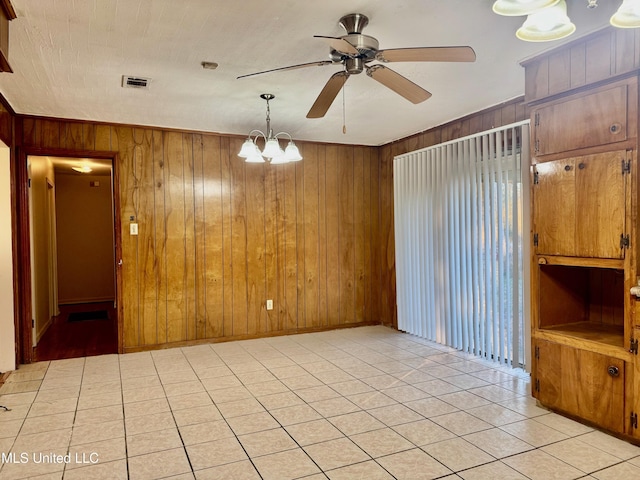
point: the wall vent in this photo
(129, 81)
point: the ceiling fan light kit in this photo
(547, 19)
(356, 51)
(548, 24)
(272, 150)
(515, 8)
(628, 15)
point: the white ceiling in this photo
(69, 56)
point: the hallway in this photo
(81, 338)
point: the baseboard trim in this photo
(231, 338)
(86, 300)
(43, 330)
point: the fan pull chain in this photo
(344, 121)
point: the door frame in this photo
(22, 256)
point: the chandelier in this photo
(272, 151)
(547, 19)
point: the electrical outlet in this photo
(133, 228)
(269, 304)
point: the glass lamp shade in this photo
(512, 8)
(549, 24)
(628, 15)
(255, 157)
(248, 148)
(291, 153)
(279, 159)
(271, 148)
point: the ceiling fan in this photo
(356, 51)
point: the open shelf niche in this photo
(582, 302)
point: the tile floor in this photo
(363, 403)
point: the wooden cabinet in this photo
(581, 383)
(579, 205)
(585, 238)
(582, 121)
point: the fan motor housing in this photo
(366, 45)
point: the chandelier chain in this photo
(269, 131)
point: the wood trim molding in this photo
(8, 9)
(7, 13)
(22, 259)
(5, 103)
(66, 152)
(231, 338)
(115, 174)
(4, 64)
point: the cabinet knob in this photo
(615, 128)
(567, 168)
(582, 166)
(613, 371)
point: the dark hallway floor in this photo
(65, 339)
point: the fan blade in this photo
(427, 54)
(399, 84)
(327, 95)
(319, 63)
(339, 45)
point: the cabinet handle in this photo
(567, 168)
(613, 371)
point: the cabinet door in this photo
(548, 381)
(581, 383)
(579, 206)
(600, 204)
(590, 390)
(554, 208)
(597, 118)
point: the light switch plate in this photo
(133, 228)
(269, 304)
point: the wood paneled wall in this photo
(218, 237)
(587, 60)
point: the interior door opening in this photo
(73, 268)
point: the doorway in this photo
(73, 270)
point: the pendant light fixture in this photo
(514, 8)
(628, 15)
(551, 23)
(272, 151)
(547, 19)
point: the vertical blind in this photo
(461, 216)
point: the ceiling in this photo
(64, 165)
(69, 57)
